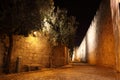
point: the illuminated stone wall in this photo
(30, 50)
(79, 53)
(106, 44)
(103, 45)
(91, 41)
(99, 43)
(37, 51)
(115, 10)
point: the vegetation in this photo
(59, 28)
(17, 17)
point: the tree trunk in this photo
(51, 58)
(8, 57)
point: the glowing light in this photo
(34, 33)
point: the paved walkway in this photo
(67, 73)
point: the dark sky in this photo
(79, 8)
(84, 10)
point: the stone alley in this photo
(70, 72)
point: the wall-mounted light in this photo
(34, 33)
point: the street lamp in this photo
(34, 33)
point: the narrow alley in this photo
(60, 40)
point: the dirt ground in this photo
(70, 72)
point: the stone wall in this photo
(33, 50)
(59, 56)
(99, 41)
(79, 53)
(91, 41)
(115, 10)
(106, 44)
(101, 49)
(30, 50)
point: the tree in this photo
(21, 17)
(59, 28)
(18, 17)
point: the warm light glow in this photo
(34, 33)
(79, 53)
(91, 37)
(87, 46)
(33, 41)
(92, 40)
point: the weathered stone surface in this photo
(36, 50)
(99, 44)
(59, 56)
(106, 44)
(31, 50)
(115, 10)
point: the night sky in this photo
(84, 10)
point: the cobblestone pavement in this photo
(66, 73)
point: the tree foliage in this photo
(60, 28)
(19, 16)
(24, 16)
